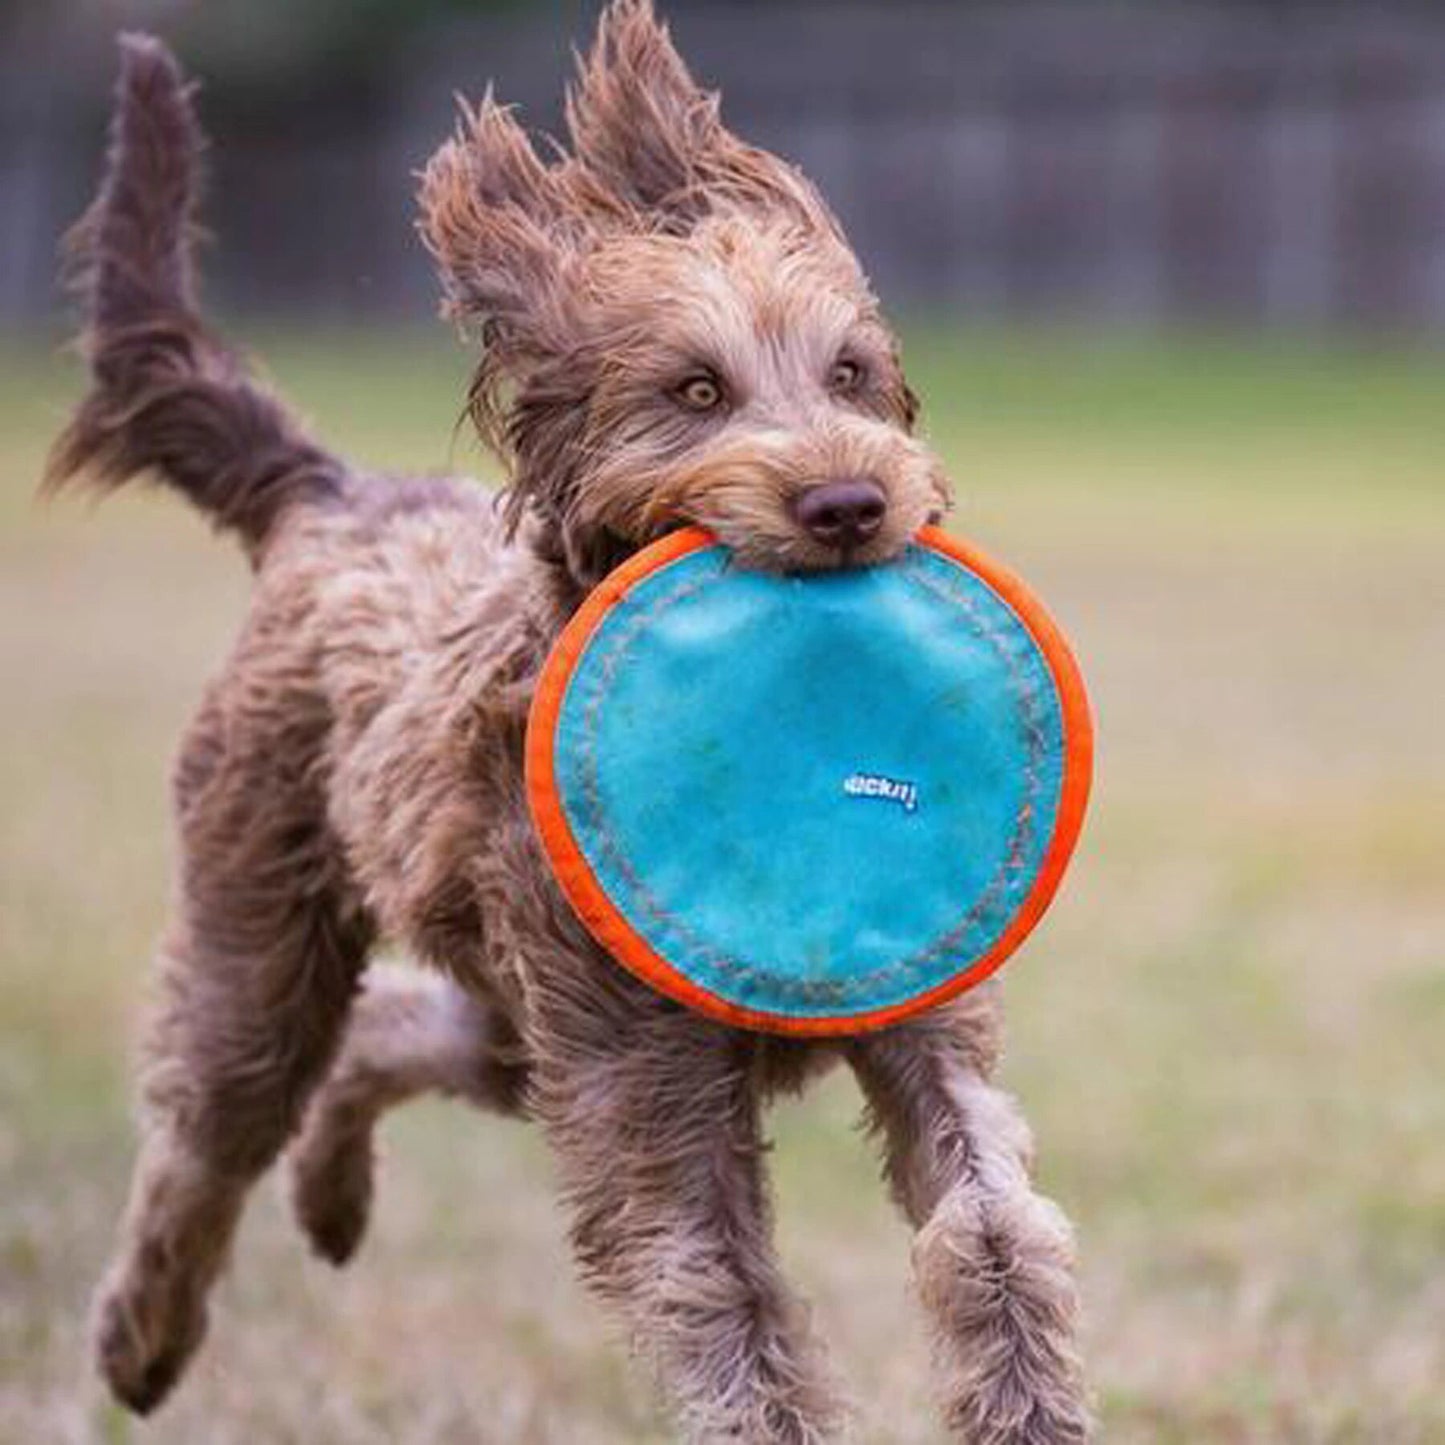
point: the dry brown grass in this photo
(1227, 1035)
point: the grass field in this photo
(1228, 1035)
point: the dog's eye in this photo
(846, 375)
(702, 392)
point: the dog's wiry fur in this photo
(355, 770)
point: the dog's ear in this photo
(646, 132)
(497, 220)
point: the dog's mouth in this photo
(790, 537)
(795, 549)
(792, 552)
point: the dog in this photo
(672, 329)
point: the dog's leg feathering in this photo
(409, 1033)
(257, 977)
(237, 1044)
(654, 1116)
(994, 1259)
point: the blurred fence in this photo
(1142, 164)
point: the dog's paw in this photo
(145, 1334)
(331, 1192)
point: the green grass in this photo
(1227, 1034)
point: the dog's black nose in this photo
(843, 513)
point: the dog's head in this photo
(673, 329)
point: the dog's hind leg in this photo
(654, 1116)
(240, 1039)
(257, 976)
(410, 1032)
(994, 1260)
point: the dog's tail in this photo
(165, 397)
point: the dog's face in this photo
(744, 380)
(674, 329)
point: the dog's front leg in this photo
(994, 1259)
(654, 1115)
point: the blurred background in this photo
(1260, 164)
(1171, 279)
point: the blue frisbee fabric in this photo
(813, 797)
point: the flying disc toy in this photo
(809, 804)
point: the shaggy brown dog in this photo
(672, 329)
